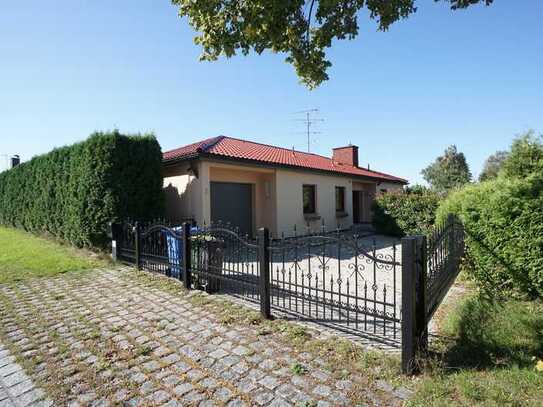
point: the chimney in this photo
(346, 155)
(14, 161)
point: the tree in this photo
(526, 156)
(448, 171)
(303, 29)
(492, 165)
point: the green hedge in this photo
(73, 192)
(504, 224)
(405, 213)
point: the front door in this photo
(356, 206)
(232, 203)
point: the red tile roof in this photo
(232, 148)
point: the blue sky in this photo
(472, 78)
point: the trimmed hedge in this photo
(405, 213)
(504, 224)
(73, 192)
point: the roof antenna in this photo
(309, 120)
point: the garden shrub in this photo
(73, 192)
(405, 213)
(504, 224)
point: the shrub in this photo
(504, 224)
(73, 192)
(405, 213)
(525, 157)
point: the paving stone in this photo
(171, 380)
(263, 398)
(183, 388)
(279, 402)
(269, 382)
(344, 384)
(147, 387)
(235, 403)
(151, 366)
(209, 383)
(223, 394)
(20, 388)
(15, 378)
(240, 350)
(286, 391)
(171, 359)
(218, 354)
(193, 397)
(160, 397)
(322, 390)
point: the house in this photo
(253, 185)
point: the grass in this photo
(23, 256)
(489, 357)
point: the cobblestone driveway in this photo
(107, 338)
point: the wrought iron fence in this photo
(367, 287)
(336, 280)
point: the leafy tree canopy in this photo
(448, 171)
(303, 29)
(526, 156)
(492, 165)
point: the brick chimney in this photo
(346, 155)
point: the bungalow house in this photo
(253, 185)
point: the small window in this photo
(309, 193)
(340, 199)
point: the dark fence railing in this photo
(366, 287)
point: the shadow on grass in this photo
(485, 335)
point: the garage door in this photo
(232, 203)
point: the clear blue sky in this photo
(472, 78)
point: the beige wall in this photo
(290, 201)
(183, 193)
(277, 195)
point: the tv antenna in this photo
(310, 119)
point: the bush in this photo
(405, 213)
(504, 224)
(73, 192)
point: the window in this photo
(340, 199)
(309, 193)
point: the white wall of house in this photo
(290, 201)
(183, 190)
(278, 194)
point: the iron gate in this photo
(335, 279)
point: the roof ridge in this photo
(279, 147)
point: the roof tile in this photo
(229, 147)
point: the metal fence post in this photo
(414, 327)
(187, 277)
(264, 256)
(114, 236)
(421, 265)
(137, 247)
(409, 331)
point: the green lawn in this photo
(23, 256)
(489, 358)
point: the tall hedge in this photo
(504, 223)
(405, 213)
(73, 192)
